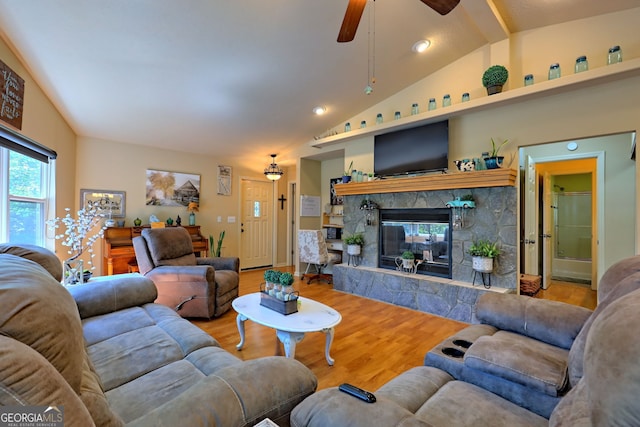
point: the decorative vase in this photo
(353, 249)
(346, 178)
(482, 264)
(192, 218)
(493, 162)
(170, 221)
(137, 222)
(72, 272)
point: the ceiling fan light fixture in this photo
(420, 46)
(319, 110)
(273, 172)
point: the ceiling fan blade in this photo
(351, 20)
(441, 6)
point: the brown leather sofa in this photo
(108, 356)
(194, 287)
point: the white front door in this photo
(257, 224)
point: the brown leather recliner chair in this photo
(194, 287)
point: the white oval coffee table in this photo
(312, 316)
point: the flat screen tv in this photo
(409, 151)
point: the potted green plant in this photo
(268, 279)
(354, 243)
(272, 279)
(218, 246)
(286, 279)
(483, 252)
(408, 259)
(286, 282)
(347, 173)
(494, 78)
(494, 161)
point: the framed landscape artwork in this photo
(171, 188)
(108, 200)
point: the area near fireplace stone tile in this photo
(494, 218)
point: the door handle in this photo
(545, 236)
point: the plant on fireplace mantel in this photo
(483, 252)
(494, 161)
(354, 243)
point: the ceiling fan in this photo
(356, 7)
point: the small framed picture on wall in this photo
(107, 200)
(335, 199)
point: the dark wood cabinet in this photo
(119, 256)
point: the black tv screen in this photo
(420, 149)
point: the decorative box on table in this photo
(276, 304)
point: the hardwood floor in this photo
(374, 342)
(572, 293)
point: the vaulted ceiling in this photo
(240, 78)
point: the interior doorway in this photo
(572, 223)
(568, 230)
(569, 220)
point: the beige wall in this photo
(43, 123)
(109, 165)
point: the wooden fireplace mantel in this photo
(502, 177)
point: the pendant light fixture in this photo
(273, 172)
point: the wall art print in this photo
(12, 96)
(107, 200)
(335, 199)
(166, 188)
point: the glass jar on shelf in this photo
(581, 64)
(615, 55)
(432, 104)
(554, 71)
(528, 80)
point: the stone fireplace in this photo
(426, 233)
(451, 294)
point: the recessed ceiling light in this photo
(421, 46)
(320, 110)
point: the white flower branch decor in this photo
(79, 236)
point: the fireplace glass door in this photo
(424, 232)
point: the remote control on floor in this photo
(358, 392)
